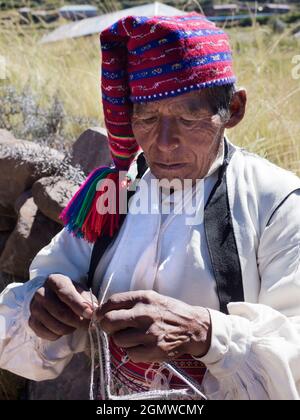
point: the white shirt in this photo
(255, 350)
(167, 256)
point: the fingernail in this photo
(87, 313)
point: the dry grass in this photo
(68, 70)
(263, 63)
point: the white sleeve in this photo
(255, 350)
(21, 351)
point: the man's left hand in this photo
(155, 328)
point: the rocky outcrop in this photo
(36, 183)
(3, 239)
(51, 195)
(7, 223)
(21, 164)
(91, 150)
(33, 231)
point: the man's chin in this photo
(171, 174)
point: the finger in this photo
(67, 293)
(132, 337)
(52, 324)
(59, 310)
(121, 319)
(87, 296)
(125, 300)
(41, 331)
(114, 321)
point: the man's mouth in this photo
(170, 165)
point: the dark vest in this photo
(219, 235)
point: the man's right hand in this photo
(59, 308)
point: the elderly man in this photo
(219, 297)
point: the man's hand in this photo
(59, 308)
(155, 328)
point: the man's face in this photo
(180, 136)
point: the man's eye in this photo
(149, 120)
(186, 121)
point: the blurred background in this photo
(50, 90)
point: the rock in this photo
(72, 384)
(33, 231)
(21, 200)
(6, 279)
(91, 150)
(11, 386)
(21, 164)
(3, 239)
(7, 223)
(7, 212)
(52, 194)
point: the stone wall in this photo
(36, 183)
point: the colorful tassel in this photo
(81, 216)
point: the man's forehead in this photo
(191, 101)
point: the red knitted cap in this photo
(147, 59)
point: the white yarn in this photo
(159, 387)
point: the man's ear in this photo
(237, 108)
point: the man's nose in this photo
(167, 136)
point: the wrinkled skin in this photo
(182, 130)
(59, 307)
(155, 328)
(180, 138)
